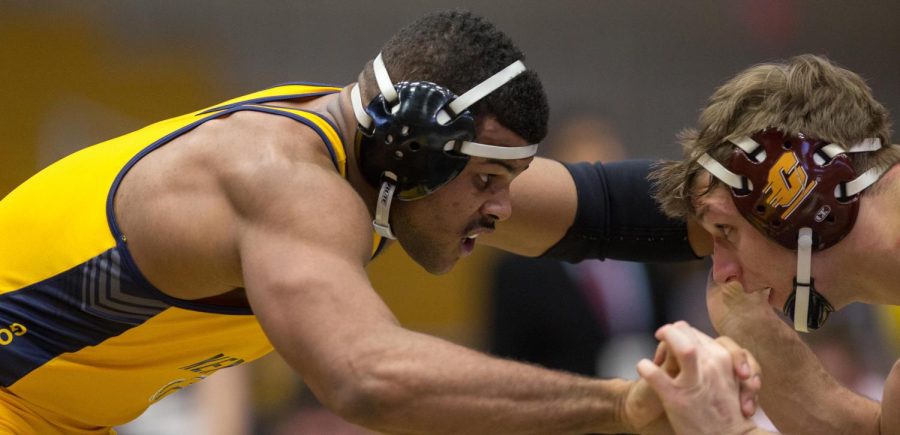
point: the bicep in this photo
(302, 263)
(308, 297)
(315, 305)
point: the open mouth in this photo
(467, 245)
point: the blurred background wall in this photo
(648, 64)
(76, 73)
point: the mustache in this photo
(485, 223)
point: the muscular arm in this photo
(584, 210)
(798, 395)
(304, 239)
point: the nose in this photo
(498, 206)
(725, 264)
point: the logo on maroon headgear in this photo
(792, 190)
(788, 185)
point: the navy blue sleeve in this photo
(618, 218)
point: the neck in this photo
(865, 266)
(341, 111)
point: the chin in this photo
(434, 266)
(426, 256)
(439, 269)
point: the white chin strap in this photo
(382, 223)
(802, 288)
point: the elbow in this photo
(371, 395)
(357, 404)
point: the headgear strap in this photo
(392, 98)
(791, 169)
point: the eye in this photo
(484, 180)
(724, 230)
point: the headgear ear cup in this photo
(409, 142)
(793, 189)
(800, 192)
(415, 137)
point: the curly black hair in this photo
(459, 50)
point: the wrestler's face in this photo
(440, 228)
(740, 251)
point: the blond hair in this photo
(807, 94)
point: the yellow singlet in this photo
(86, 342)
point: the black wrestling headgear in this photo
(415, 137)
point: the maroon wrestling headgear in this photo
(794, 181)
(801, 192)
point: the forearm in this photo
(421, 384)
(798, 395)
(618, 218)
(361, 364)
(592, 210)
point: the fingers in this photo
(660, 355)
(733, 288)
(665, 360)
(748, 395)
(748, 372)
(739, 356)
(682, 343)
(728, 289)
(655, 376)
(711, 372)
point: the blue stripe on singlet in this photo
(80, 307)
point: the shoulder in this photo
(279, 179)
(248, 139)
